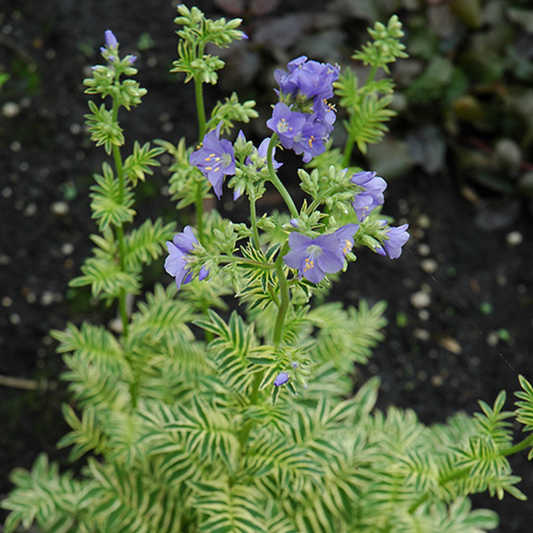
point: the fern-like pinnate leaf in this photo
(111, 202)
(236, 509)
(368, 122)
(103, 128)
(146, 243)
(524, 411)
(43, 496)
(139, 163)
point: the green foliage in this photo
(103, 128)
(386, 46)
(196, 33)
(230, 111)
(138, 164)
(111, 203)
(366, 105)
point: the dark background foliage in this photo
(458, 159)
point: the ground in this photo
(459, 299)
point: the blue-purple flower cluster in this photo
(303, 118)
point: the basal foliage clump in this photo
(201, 419)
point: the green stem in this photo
(119, 167)
(278, 336)
(253, 220)
(200, 107)
(276, 181)
(350, 141)
(522, 445)
(199, 209)
(244, 261)
(254, 396)
(200, 111)
(284, 293)
(348, 149)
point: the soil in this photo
(460, 298)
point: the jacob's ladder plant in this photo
(201, 419)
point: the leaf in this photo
(111, 200)
(138, 164)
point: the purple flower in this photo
(371, 196)
(216, 158)
(394, 239)
(176, 264)
(310, 141)
(316, 257)
(286, 123)
(262, 151)
(110, 39)
(282, 378)
(309, 78)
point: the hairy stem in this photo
(276, 181)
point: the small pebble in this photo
(15, 146)
(31, 297)
(5, 260)
(429, 265)
(420, 299)
(514, 238)
(30, 210)
(47, 298)
(75, 129)
(15, 319)
(7, 192)
(7, 301)
(421, 334)
(424, 315)
(10, 109)
(59, 208)
(493, 338)
(67, 248)
(24, 166)
(424, 250)
(116, 325)
(424, 221)
(437, 381)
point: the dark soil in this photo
(460, 297)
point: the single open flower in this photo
(325, 254)
(177, 264)
(394, 239)
(286, 123)
(215, 159)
